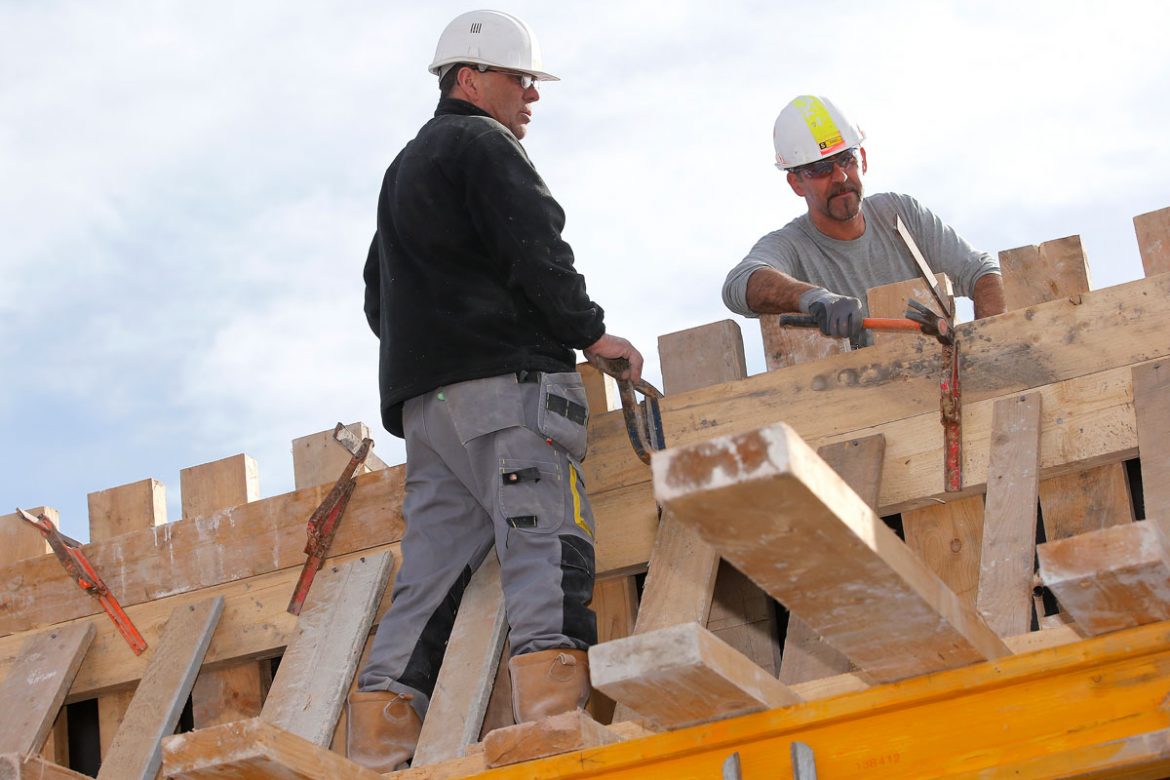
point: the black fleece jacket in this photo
(467, 275)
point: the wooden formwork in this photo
(934, 656)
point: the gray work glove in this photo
(837, 315)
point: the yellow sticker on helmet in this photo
(820, 123)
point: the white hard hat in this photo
(491, 38)
(809, 128)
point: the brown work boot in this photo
(548, 682)
(381, 729)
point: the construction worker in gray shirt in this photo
(823, 262)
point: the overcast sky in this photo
(187, 190)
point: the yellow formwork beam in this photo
(1095, 705)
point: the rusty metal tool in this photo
(323, 523)
(69, 552)
(643, 420)
(951, 402)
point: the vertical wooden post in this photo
(1071, 504)
(234, 692)
(785, 347)
(889, 300)
(1153, 236)
(114, 512)
(319, 460)
(615, 599)
(19, 540)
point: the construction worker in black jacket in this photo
(478, 308)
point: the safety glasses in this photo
(523, 79)
(822, 168)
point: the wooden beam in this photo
(682, 675)
(14, 766)
(783, 517)
(1151, 401)
(234, 692)
(19, 540)
(784, 347)
(615, 601)
(313, 680)
(1023, 709)
(1153, 237)
(551, 736)
(136, 752)
(254, 750)
(890, 300)
(1009, 528)
(464, 685)
(119, 510)
(35, 686)
(319, 460)
(1109, 579)
(1038, 274)
(948, 538)
(806, 654)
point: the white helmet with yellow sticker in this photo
(810, 128)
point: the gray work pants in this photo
(489, 462)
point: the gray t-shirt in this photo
(878, 257)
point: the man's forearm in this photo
(772, 292)
(988, 296)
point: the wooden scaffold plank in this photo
(136, 752)
(682, 675)
(550, 736)
(1009, 529)
(787, 520)
(36, 684)
(464, 686)
(1153, 236)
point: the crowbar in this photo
(68, 552)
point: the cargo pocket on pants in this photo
(531, 494)
(563, 414)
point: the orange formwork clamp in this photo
(68, 551)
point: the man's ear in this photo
(465, 79)
(864, 164)
(796, 183)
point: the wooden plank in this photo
(551, 736)
(1153, 237)
(14, 766)
(210, 487)
(499, 708)
(948, 538)
(783, 517)
(784, 347)
(702, 356)
(119, 510)
(1151, 401)
(222, 695)
(1109, 579)
(19, 540)
(806, 655)
(1013, 711)
(615, 601)
(464, 685)
(1009, 528)
(111, 712)
(251, 750)
(889, 300)
(682, 675)
(136, 751)
(313, 680)
(35, 686)
(319, 460)
(1037, 274)
(56, 749)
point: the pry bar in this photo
(68, 552)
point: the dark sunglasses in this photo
(822, 168)
(523, 79)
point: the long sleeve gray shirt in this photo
(878, 257)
